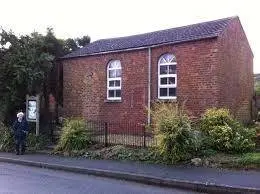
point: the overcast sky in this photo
(112, 18)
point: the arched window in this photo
(114, 82)
(167, 77)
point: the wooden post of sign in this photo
(38, 115)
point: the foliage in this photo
(6, 139)
(74, 44)
(249, 160)
(215, 117)
(70, 44)
(257, 87)
(256, 126)
(120, 152)
(83, 41)
(35, 143)
(25, 64)
(205, 152)
(74, 137)
(258, 139)
(224, 133)
(175, 139)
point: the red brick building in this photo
(206, 65)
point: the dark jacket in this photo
(20, 128)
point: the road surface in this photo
(16, 179)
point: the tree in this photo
(74, 44)
(70, 45)
(25, 63)
(23, 69)
(83, 41)
(53, 45)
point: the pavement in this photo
(18, 179)
(200, 179)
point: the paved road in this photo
(202, 175)
(29, 180)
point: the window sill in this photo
(112, 101)
(166, 100)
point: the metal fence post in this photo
(144, 134)
(106, 130)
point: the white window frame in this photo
(114, 79)
(167, 63)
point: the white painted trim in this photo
(165, 76)
(113, 79)
(114, 87)
(115, 98)
(110, 68)
(168, 86)
(168, 98)
(149, 86)
(173, 63)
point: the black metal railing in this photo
(120, 133)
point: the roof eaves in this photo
(143, 47)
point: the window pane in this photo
(170, 58)
(118, 72)
(115, 64)
(112, 73)
(111, 83)
(164, 81)
(172, 69)
(118, 93)
(163, 91)
(117, 83)
(162, 60)
(111, 93)
(171, 80)
(172, 91)
(163, 69)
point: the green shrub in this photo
(6, 139)
(175, 139)
(120, 152)
(74, 136)
(257, 88)
(224, 133)
(36, 142)
(244, 140)
(215, 117)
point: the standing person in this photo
(20, 128)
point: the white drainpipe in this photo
(149, 87)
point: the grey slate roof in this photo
(198, 31)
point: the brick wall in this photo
(197, 63)
(213, 72)
(85, 87)
(236, 75)
(85, 82)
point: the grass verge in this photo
(119, 152)
(242, 161)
